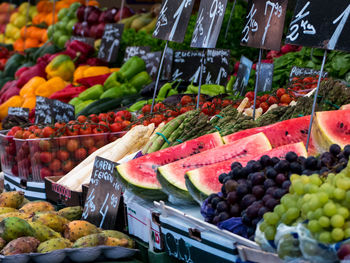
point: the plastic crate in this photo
(23, 159)
(8, 154)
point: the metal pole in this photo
(159, 74)
(257, 82)
(121, 8)
(229, 20)
(315, 99)
(200, 80)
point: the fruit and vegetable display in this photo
(36, 227)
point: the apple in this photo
(81, 13)
(100, 30)
(93, 15)
(124, 13)
(110, 14)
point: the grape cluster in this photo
(322, 202)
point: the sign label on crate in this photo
(243, 75)
(210, 16)
(62, 112)
(264, 24)
(265, 77)
(304, 72)
(217, 66)
(88, 40)
(110, 42)
(173, 20)
(103, 198)
(152, 61)
(133, 51)
(322, 24)
(187, 65)
(18, 112)
(43, 111)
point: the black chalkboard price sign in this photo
(110, 42)
(264, 24)
(103, 198)
(43, 111)
(187, 65)
(210, 16)
(217, 66)
(18, 112)
(322, 24)
(62, 112)
(173, 20)
(265, 77)
(305, 72)
(135, 51)
(152, 60)
(243, 75)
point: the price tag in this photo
(217, 66)
(103, 197)
(187, 65)
(322, 24)
(88, 40)
(243, 75)
(43, 111)
(18, 112)
(152, 60)
(135, 51)
(305, 72)
(62, 112)
(264, 24)
(173, 20)
(110, 42)
(265, 77)
(208, 25)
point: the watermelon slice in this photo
(331, 127)
(172, 176)
(140, 174)
(280, 133)
(204, 181)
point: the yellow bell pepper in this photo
(29, 102)
(79, 72)
(61, 66)
(50, 87)
(96, 71)
(28, 89)
(14, 101)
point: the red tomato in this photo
(45, 157)
(111, 114)
(258, 102)
(67, 166)
(208, 108)
(126, 115)
(33, 128)
(72, 131)
(116, 127)
(118, 119)
(185, 109)
(186, 100)
(226, 103)
(264, 98)
(92, 149)
(250, 95)
(156, 121)
(170, 119)
(32, 136)
(217, 101)
(103, 126)
(146, 109)
(26, 134)
(280, 92)
(62, 155)
(272, 100)
(60, 128)
(286, 99)
(125, 124)
(264, 106)
(201, 98)
(104, 117)
(93, 118)
(55, 165)
(45, 145)
(309, 80)
(14, 130)
(82, 119)
(19, 134)
(88, 142)
(85, 130)
(62, 142)
(145, 123)
(140, 116)
(159, 107)
(45, 172)
(72, 145)
(80, 154)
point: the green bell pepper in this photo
(172, 92)
(131, 68)
(140, 80)
(82, 106)
(207, 89)
(75, 101)
(137, 106)
(111, 82)
(113, 93)
(92, 93)
(229, 86)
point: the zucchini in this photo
(101, 106)
(129, 100)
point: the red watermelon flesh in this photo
(206, 180)
(280, 133)
(172, 176)
(141, 172)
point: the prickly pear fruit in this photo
(14, 227)
(25, 201)
(21, 245)
(37, 206)
(119, 235)
(2, 243)
(79, 228)
(4, 210)
(54, 244)
(115, 242)
(15, 214)
(53, 221)
(90, 241)
(43, 232)
(11, 199)
(71, 213)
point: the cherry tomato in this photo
(185, 109)
(94, 118)
(82, 119)
(185, 100)
(45, 172)
(156, 121)
(125, 115)
(264, 106)
(118, 119)
(226, 103)
(32, 128)
(111, 114)
(14, 130)
(67, 166)
(103, 126)
(217, 101)
(170, 119)
(145, 123)
(146, 109)
(264, 98)
(272, 100)
(201, 98)
(45, 157)
(159, 107)
(116, 127)
(250, 95)
(19, 134)
(88, 142)
(125, 124)
(62, 155)
(26, 134)
(80, 154)
(72, 145)
(72, 131)
(286, 99)
(208, 108)
(55, 165)
(280, 92)
(45, 145)
(92, 149)
(85, 130)
(60, 128)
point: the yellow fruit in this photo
(20, 21)
(15, 214)
(53, 221)
(42, 232)
(115, 242)
(4, 210)
(9, 29)
(38, 206)
(23, 8)
(13, 17)
(32, 11)
(11, 199)
(79, 228)
(54, 244)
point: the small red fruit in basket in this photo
(124, 114)
(250, 95)
(55, 165)
(264, 98)
(82, 119)
(80, 154)
(33, 128)
(264, 106)
(85, 130)
(62, 155)
(185, 100)
(146, 109)
(44, 145)
(272, 100)
(226, 103)
(88, 142)
(159, 107)
(48, 131)
(280, 92)
(92, 149)
(217, 101)
(38, 133)
(19, 134)
(104, 117)
(286, 99)
(185, 109)
(45, 157)
(111, 114)
(118, 119)
(116, 127)
(45, 172)
(156, 121)
(72, 145)
(94, 118)
(208, 108)
(67, 166)
(13, 130)
(125, 124)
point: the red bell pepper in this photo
(37, 70)
(96, 62)
(68, 93)
(92, 81)
(10, 89)
(20, 71)
(81, 47)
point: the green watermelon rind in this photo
(170, 189)
(139, 190)
(196, 193)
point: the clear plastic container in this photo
(58, 156)
(8, 154)
(23, 159)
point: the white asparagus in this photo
(243, 104)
